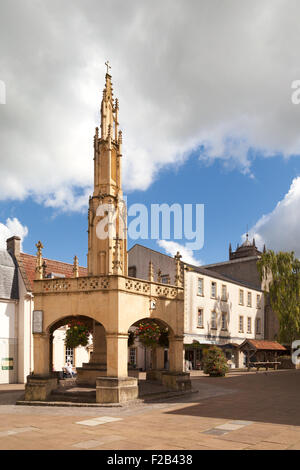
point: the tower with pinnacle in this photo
(107, 230)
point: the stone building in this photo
(217, 309)
(242, 266)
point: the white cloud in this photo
(192, 73)
(171, 248)
(280, 229)
(11, 228)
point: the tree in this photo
(282, 271)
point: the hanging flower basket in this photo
(77, 334)
(150, 334)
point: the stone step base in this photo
(74, 395)
(67, 403)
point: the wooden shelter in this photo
(261, 353)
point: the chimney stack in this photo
(13, 245)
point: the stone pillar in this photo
(117, 387)
(40, 385)
(158, 358)
(157, 364)
(117, 355)
(88, 373)
(176, 378)
(41, 346)
(99, 345)
(176, 353)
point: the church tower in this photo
(107, 218)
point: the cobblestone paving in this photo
(242, 411)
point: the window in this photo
(213, 324)
(249, 325)
(224, 292)
(200, 318)
(241, 324)
(132, 271)
(258, 326)
(241, 301)
(249, 299)
(200, 286)
(258, 301)
(213, 290)
(165, 279)
(224, 321)
(69, 355)
(132, 355)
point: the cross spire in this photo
(107, 67)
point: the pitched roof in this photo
(203, 269)
(216, 275)
(261, 344)
(8, 276)
(27, 264)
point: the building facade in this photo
(218, 310)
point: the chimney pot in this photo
(13, 245)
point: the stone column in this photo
(96, 367)
(176, 378)
(176, 353)
(99, 345)
(40, 385)
(117, 387)
(117, 354)
(157, 364)
(41, 346)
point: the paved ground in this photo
(242, 411)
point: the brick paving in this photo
(241, 411)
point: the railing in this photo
(105, 283)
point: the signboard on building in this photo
(37, 321)
(7, 363)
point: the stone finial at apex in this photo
(151, 272)
(107, 67)
(178, 278)
(39, 261)
(75, 267)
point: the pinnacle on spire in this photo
(151, 272)
(178, 280)
(39, 261)
(75, 267)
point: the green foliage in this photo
(77, 334)
(282, 272)
(215, 363)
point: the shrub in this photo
(215, 362)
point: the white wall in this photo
(59, 351)
(8, 341)
(193, 301)
(25, 338)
